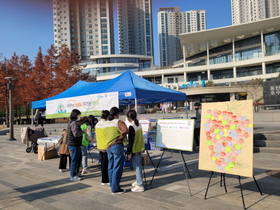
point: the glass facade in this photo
(247, 54)
(117, 60)
(156, 80)
(197, 76)
(273, 68)
(272, 43)
(222, 74)
(222, 54)
(224, 58)
(199, 62)
(143, 64)
(248, 71)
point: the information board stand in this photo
(239, 179)
(186, 170)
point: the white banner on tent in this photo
(87, 104)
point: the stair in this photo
(267, 142)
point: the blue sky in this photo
(27, 24)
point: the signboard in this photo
(226, 137)
(145, 123)
(175, 134)
(87, 104)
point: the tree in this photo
(63, 68)
(3, 86)
(254, 89)
(209, 83)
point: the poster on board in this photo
(87, 104)
(175, 134)
(226, 137)
(145, 123)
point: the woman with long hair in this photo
(115, 133)
(135, 149)
(74, 141)
(101, 146)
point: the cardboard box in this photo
(46, 153)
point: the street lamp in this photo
(10, 87)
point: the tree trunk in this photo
(19, 113)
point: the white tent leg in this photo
(136, 105)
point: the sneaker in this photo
(197, 148)
(134, 184)
(105, 184)
(121, 191)
(61, 170)
(138, 189)
(75, 178)
(85, 172)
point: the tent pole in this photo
(136, 105)
(32, 118)
(187, 109)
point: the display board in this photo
(145, 123)
(87, 104)
(226, 137)
(175, 134)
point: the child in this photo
(64, 152)
(135, 149)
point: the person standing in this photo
(197, 107)
(64, 153)
(74, 142)
(86, 125)
(135, 149)
(39, 119)
(101, 146)
(115, 133)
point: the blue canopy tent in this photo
(132, 90)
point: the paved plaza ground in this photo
(29, 183)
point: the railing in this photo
(258, 108)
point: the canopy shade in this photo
(130, 87)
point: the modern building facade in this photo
(135, 27)
(105, 65)
(171, 23)
(225, 57)
(244, 11)
(86, 26)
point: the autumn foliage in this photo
(49, 75)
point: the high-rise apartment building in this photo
(86, 26)
(243, 11)
(171, 23)
(135, 27)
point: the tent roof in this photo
(129, 86)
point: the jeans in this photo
(84, 157)
(115, 166)
(76, 158)
(136, 162)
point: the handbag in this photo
(63, 149)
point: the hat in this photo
(197, 104)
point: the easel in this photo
(223, 175)
(143, 167)
(186, 170)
